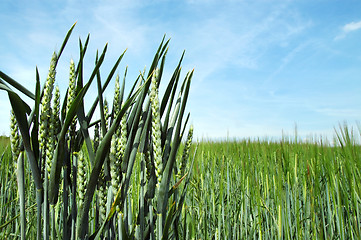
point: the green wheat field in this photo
(143, 176)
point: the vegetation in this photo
(126, 183)
(276, 190)
(134, 179)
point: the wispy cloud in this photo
(347, 28)
(353, 26)
(336, 112)
(239, 39)
(287, 59)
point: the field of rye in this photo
(143, 177)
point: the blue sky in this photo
(261, 67)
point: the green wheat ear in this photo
(156, 126)
(106, 115)
(56, 111)
(14, 138)
(186, 151)
(117, 149)
(116, 101)
(70, 98)
(96, 138)
(102, 194)
(113, 164)
(46, 109)
(53, 129)
(72, 86)
(82, 168)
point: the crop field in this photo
(142, 176)
(276, 190)
(247, 190)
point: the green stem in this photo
(52, 212)
(46, 208)
(141, 199)
(39, 197)
(65, 203)
(151, 223)
(21, 189)
(73, 198)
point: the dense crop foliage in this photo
(276, 190)
(127, 182)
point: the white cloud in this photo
(353, 26)
(347, 28)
